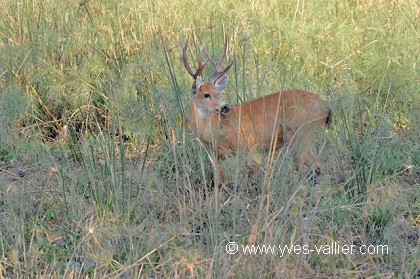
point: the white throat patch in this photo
(202, 113)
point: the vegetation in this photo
(100, 176)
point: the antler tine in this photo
(201, 64)
(222, 57)
(217, 65)
(185, 59)
(218, 75)
(214, 63)
(218, 72)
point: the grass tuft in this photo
(101, 177)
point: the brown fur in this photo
(289, 117)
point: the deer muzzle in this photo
(225, 109)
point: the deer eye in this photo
(207, 95)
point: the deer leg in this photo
(218, 171)
(305, 157)
(300, 142)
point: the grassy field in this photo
(100, 176)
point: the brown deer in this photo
(292, 117)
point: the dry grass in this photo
(100, 176)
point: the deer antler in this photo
(217, 65)
(201, 64)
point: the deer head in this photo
(205, 96)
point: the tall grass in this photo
(100, 176)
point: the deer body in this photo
(276, 119)
(291, 117)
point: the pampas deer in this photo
(292, 117)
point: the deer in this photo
(287, 118)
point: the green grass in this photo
(101, 177)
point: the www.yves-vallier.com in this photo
(332, 248)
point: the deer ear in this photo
(221, 83)
(196, 86)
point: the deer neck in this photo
(206, 125)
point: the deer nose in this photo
(225, 109)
